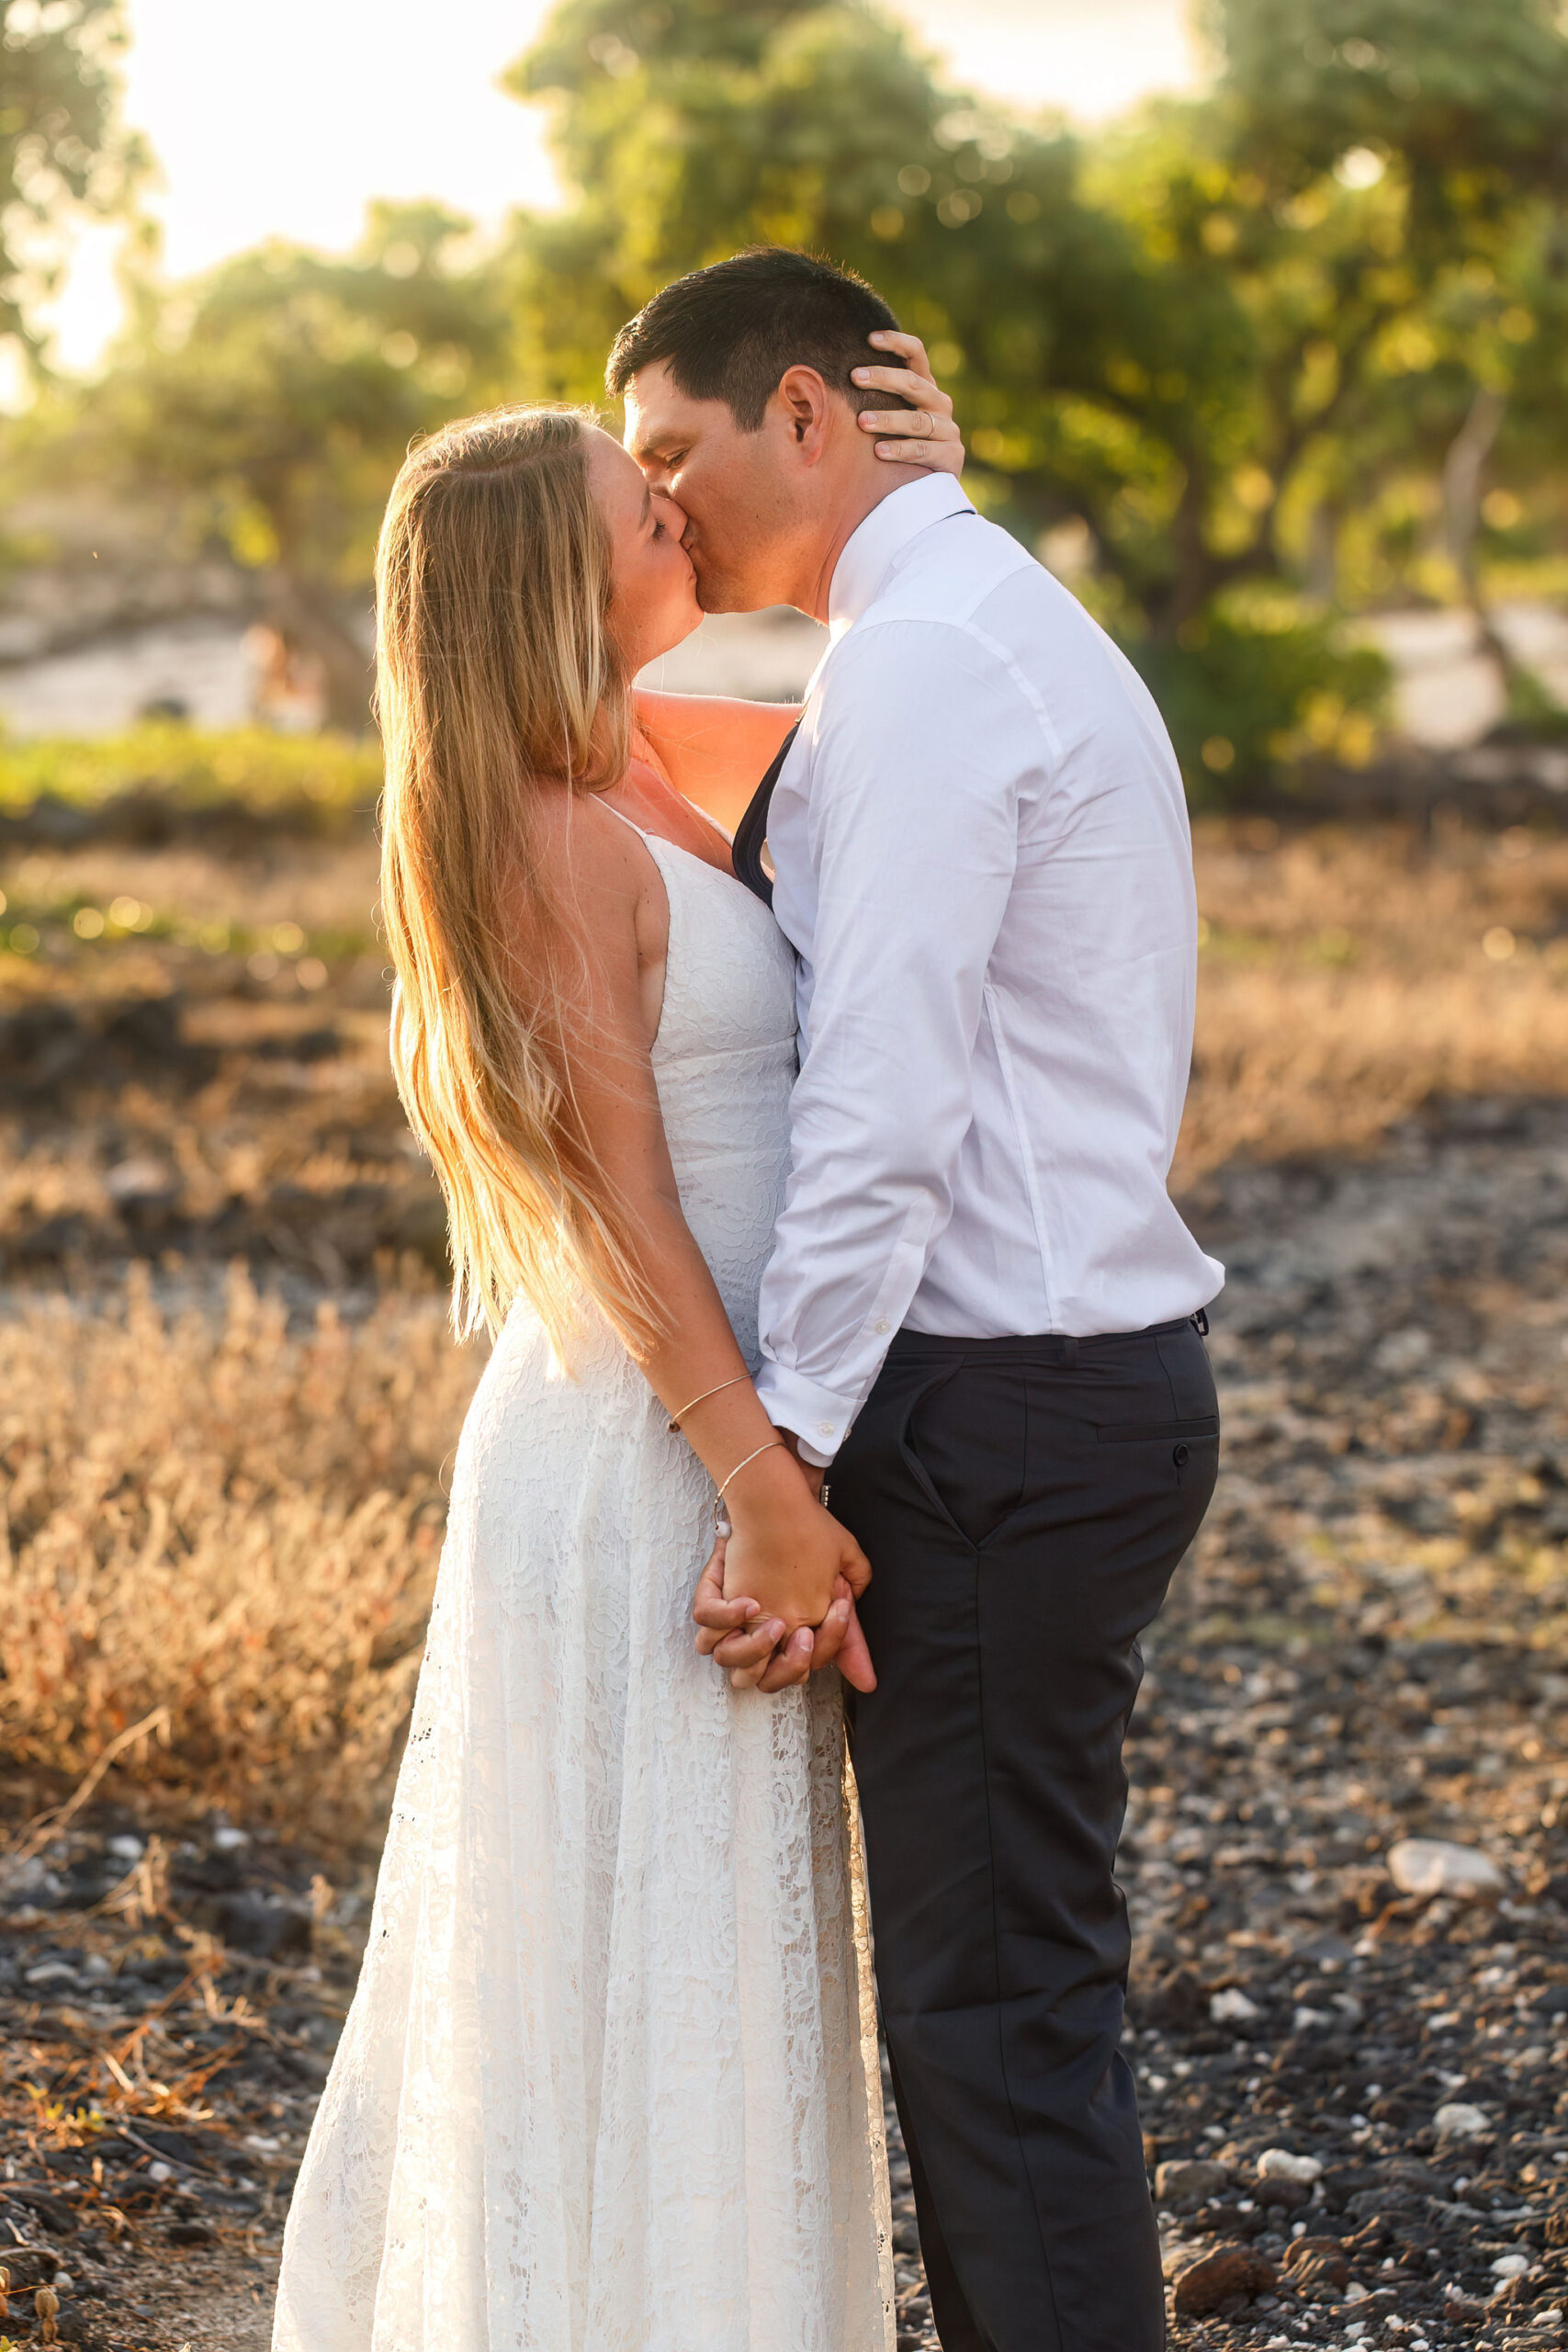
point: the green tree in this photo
(273, 402)
(1465, 108)
(1099, 311)
(63, 152)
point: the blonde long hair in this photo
(497, 678)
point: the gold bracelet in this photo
(720, 1519)
(674, 1425)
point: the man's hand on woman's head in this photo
(928, 437)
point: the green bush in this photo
(1247, 700)
(305, 779)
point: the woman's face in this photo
(653, 597)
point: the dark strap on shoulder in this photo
(751, 832)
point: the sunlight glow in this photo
(284, 122)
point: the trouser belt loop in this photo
(1069, 1352)
(1201, 1322)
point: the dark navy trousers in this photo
(1024, 1503)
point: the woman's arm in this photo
(715, 749)
(786, 1553)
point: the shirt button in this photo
(882, 1326)
(824, 1428)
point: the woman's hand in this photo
(785, 1552)
(751, 1647)
(779, 1592)
(927, 438)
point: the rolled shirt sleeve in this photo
(911, 829)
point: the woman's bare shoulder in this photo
(582, 844)
(608, 912)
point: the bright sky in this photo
(283, 120)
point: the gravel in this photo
(1350, 2062)
(1368, 1648)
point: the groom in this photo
(982, 1315)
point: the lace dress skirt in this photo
(609, 2081)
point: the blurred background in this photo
(1256, 317)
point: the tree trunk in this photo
(1462, 470)
(1323, 552)
(1195, 572)
(306, 617)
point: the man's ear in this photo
(804, 402)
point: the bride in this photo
(609, 2082)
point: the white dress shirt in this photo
(983, 862)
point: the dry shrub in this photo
(1348, 976)
(209, 1513)
(1289, 1061)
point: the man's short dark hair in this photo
(728, 333)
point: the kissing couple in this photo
(813, 1184)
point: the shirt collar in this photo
(869, 552)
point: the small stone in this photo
(1230, 2005)
(1283, 2195)
(140, 1180)
(253, 1923)
(1402, 1352)
(1230, 2270)
(1282, 2163)
(52, 2212)
(51, 1971)
(1510, 2266)
(1174, 2002)
(1458, 2121)
(1191, 2177)
(1433, 1866)
(1314, 2264)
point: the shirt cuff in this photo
(819, 1419)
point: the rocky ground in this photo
(1354, 2092)
(1349, 2054)
(169, 2007)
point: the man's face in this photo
(738, 491)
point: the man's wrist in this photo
(815, 1417)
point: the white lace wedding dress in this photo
(609, 2081)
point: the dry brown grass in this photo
(209, 1513)
(1346, 977)
(241, 1523)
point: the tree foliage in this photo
(62, 149)
(1264, 353)
(1123, 321)
(275, 399)
(1256, 360)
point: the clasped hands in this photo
(776, 1601)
